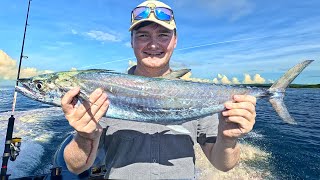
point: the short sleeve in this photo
(207, 129)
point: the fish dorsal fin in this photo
(176, 74)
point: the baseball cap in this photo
(152, 4)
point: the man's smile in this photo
(153, 53)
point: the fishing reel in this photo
(15, 148)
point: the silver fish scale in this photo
(161, 101)
(160, 116)
(154, 95)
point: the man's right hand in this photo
(85, 117)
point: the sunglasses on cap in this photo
(143, 12)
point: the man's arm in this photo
(80, 153)
(222, 156)
(236, 121)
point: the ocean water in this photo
(273, 150)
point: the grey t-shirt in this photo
(139, 150)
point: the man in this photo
(134, 150)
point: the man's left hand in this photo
(239, 117)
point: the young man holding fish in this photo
(144, 150)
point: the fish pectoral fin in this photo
(179, 129)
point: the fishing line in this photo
(221, 42)
(245, 39)
(83, 67)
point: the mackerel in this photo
(166, 101)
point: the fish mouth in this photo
(25, 90)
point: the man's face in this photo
(153, 45)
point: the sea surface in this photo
(290, 151)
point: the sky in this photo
(225, 41)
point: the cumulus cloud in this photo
(189, 78)
(235, 80)
(257, 79)
(216, 81)
(102, 36)
(223, 79)
(8, 68)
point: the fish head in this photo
(46, 88)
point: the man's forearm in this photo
(80, 153)
(225, 154)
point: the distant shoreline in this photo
(290, 86)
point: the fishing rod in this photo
(12, 145)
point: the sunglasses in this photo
(143, 12)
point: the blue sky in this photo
(226, 37)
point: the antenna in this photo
(9, 141)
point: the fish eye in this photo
(39, 85)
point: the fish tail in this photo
(277, 91)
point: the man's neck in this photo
(151, 72)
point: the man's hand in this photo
(85, 117)
(239, 118)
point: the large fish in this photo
(155, 100)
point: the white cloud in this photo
(247, 79)
(102, 36)
(235, 80)
(189, 78)
(8, 68)
(257, 79)
(223, 79)
(216, 81)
